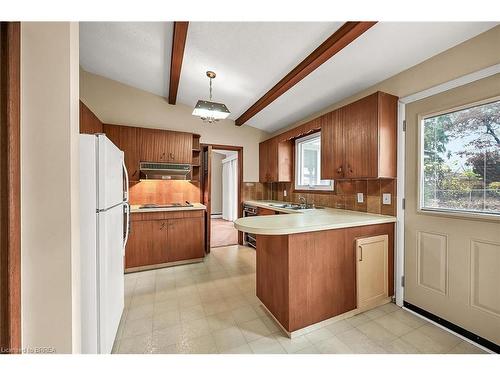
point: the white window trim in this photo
(297, 164)
(447, 212)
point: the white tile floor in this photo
(211, 307)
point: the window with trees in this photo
(308, 164)
(460, 160)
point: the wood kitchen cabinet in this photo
(126, 139)
(265, 211)
(165, 146)
(359, 140)
(185, 239)
(275, 161)
(163, 237)
(89, 123)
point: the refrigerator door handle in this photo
(127, 232)
(125, 174)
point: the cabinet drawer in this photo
(164, 215)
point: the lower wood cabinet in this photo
(163, 237)
(371, 270)
(265, 211)
(185, 239)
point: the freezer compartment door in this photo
(111, 275)
(109, 173)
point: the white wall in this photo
(49, 186)
(216, 183)
(117, 103)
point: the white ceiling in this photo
(134, 53)
(381, 52)
(250, 58)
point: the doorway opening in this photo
(224, 198)
(222, 182)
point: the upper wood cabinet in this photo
(89, 123)
(360, 139)
(165, 146)
(275, 161)
(126, 139)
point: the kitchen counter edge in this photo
(134, 209)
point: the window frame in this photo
(445, 212)
(308, 188)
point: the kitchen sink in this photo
(294, 206)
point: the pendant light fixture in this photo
(210, 111)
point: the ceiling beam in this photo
(178, 44)
(341, 38)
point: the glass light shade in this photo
(206, 109)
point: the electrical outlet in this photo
(386, 198)
(284, 193)
(360, 198)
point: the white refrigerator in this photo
(104, 227)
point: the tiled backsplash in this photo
(161, 192)
(344, 196)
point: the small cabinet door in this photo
(147, 244)
(126, 139)
(360, 133)
(371, 270)
(153, 145)
(265, 211)
(332, 146)
(263, 162)
(185, 239)
(179, 147)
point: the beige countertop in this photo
(302, 221)
(196, 206)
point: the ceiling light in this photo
(210, 111)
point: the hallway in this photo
(223, 233)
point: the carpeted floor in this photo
(223, 233)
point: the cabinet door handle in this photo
(360, 253)
(339, 170)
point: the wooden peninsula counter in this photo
(320, 264)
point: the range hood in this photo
(164, 171)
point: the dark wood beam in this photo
(178, 44)
(341, 38)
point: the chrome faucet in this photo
(303, 200)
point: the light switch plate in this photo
(386, 198)
(284, 193)
(360, 198)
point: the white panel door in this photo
(111, 275)
(110, 173)
(452, 261)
